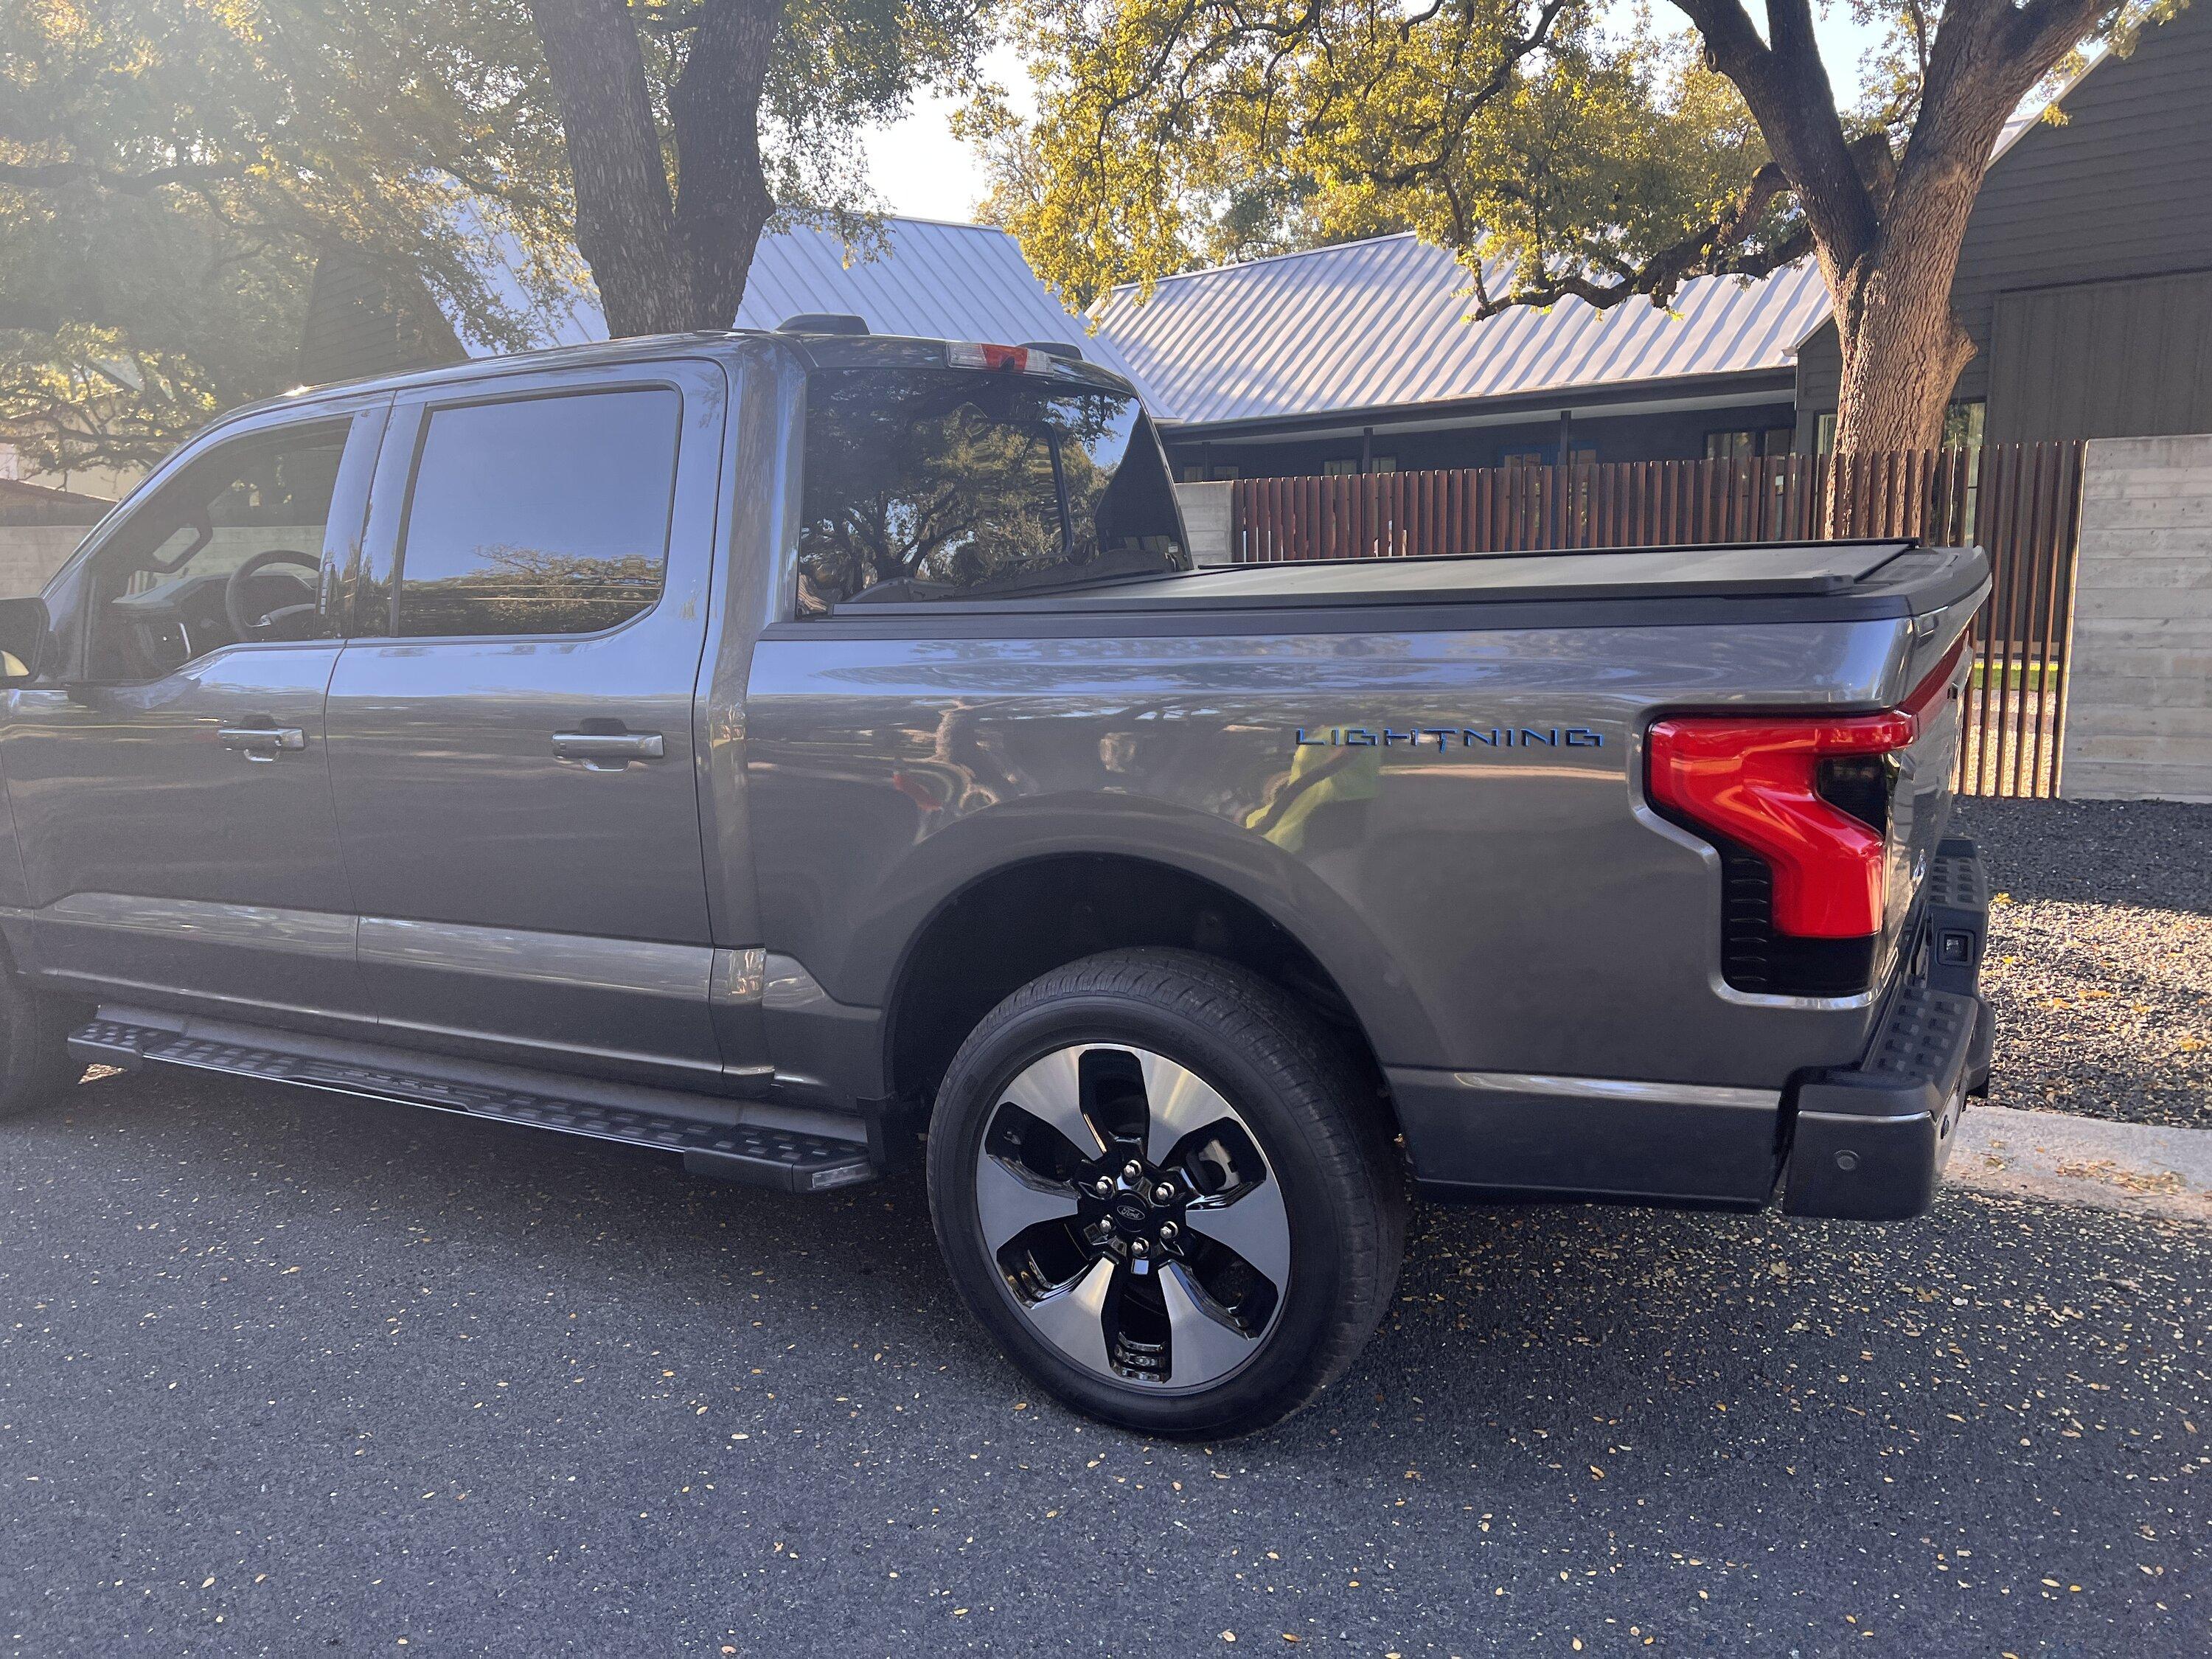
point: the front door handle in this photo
(609, 751)
(262, 743)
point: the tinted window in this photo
(922, 483)
(165, 579)
(549, 515)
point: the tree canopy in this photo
(170, 174)
(1561, 148)
(172, 171)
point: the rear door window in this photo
(935, 484)
(539, 515)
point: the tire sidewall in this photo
(1006, 1042)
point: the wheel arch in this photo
(1191, 885)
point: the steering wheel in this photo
(248, 623)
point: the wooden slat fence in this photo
(2021, 501)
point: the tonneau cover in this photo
(1853, 577)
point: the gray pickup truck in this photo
(790, 750)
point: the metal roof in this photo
(1383, 324)
(930, 279)
(937, 279)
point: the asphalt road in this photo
(282, 1373)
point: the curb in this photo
(2136, 1168)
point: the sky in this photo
(923, 172)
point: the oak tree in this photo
(691, 123)
(171, 175)
(1561, 154)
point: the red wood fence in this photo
(2019, 502)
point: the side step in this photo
(756, 1154)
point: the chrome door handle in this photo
(262, 743)
(611, 751)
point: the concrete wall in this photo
(2139, 698)
(30, 553)
(1205, 516)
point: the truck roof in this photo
(816, 350)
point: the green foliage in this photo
(1547, 142)
(171, 170)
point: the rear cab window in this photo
(931, 483)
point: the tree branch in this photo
(56, 175)
(1698, 254)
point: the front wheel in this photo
(35, 1059)
(1155, 1179)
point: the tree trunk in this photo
(722, 201)
(665, 260)
(1903, 348)
(625, 219)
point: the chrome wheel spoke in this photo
(1177, 1102)
(1073, 1318)
(1254, 1223)
(1132, 1217)
(1009, 1205)
(1052, 1091)
(1202, 1344)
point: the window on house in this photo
(1963, 424)
(1823, 432)
(1225, 475)
(1383, 463)
(1744, 443)
(1340, 469)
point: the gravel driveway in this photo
(2101, 956)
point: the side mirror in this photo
(23, 627)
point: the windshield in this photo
(931, 483)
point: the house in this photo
(1360, 357)
(2086, 274)
(2085, 280)
(925, 277)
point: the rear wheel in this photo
(1156, 1179)
(35, 1059)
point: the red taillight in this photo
(1018, 359)
(1757, 781)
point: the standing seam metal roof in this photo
(1384, 322)
(933, 279)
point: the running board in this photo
(756, 1154)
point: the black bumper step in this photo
(756, 1154)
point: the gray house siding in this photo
(2118, 191)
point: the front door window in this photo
(230, 549)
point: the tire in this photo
(1238, 1271)
(35, 1059)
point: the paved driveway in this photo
(282, 1374)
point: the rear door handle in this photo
(611, 751)
(262, 743)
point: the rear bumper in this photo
(1869, 1142)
